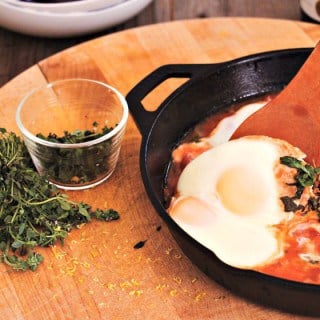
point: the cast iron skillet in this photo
(214, 87)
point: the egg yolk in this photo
(242, 191)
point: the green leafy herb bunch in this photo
(32, 211)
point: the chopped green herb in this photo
(32, 211)
(77, 136)
(76, 165)
(306, 174)
(289, 204)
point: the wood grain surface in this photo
(98, 274)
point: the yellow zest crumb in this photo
(194, 280)
(50, 266)
(71, 267)
(136, 293)
(135, 282)
(55, 296)
(168, 251)
(125, 284)
(70, 272)
(178, 280)
(173, 293)
(58, 253)
(199, 296)
(95, 253)
(129, 283)
(161, 286)
(85, 264)
(111, 286)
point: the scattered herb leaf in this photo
(32, 211)
(105, 215)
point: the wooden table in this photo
(19, 51)
(98, 274)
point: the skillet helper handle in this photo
(141, 116)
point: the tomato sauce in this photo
(301, 259)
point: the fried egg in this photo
(228, 199)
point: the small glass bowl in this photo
(73, 108)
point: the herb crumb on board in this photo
(140, 244)
(33, 213)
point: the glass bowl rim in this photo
(122, 123)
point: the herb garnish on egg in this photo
(307, 176)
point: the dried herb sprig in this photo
(32, 211)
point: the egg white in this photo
(228, 125)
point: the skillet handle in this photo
(141, 116)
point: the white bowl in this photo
(65, 7)
(46, 24)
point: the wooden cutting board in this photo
(98, 274)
